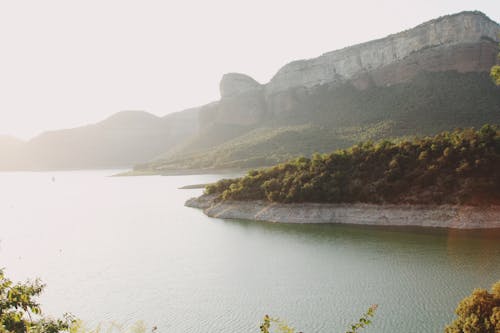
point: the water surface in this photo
(125, 249)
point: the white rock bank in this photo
(443, 216)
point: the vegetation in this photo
(283, 327)
(459, 167)
(478, 313)
(330, 117)
(21, 313)
(112, 327)
(495, 73)
(268, 146)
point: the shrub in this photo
(20, 311)
(478, 313)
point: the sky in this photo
(68, 63)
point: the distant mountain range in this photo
(421, 81)
(122, 140)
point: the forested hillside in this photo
(459, 167)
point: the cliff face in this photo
(464, 42)
(469, 38)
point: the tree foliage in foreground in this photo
(20, 311)
(459, 167)
(478, 313)
(283, 327)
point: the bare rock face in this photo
(463, 42)
(233, 84)
(246, 109)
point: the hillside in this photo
(121, 140)
(461, 167)
(430, 103)
(431, 78)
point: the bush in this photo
(21, 313)
(478, 313)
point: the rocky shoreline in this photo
(438, 216)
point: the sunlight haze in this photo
(66, 63)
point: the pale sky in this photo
(67, 63)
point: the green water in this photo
(126, 249)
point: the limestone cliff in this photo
(464, 42)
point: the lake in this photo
(125, 249)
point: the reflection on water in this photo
(126, 249)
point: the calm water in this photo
(126, 249)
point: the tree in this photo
(495, 73)
(21, 313)
(478, 313)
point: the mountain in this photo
(421, 81)
(122, 140)
(431, 78)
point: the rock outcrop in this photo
(233, 84)
(242, 102)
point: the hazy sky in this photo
(66, 63)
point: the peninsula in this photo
(450, 180)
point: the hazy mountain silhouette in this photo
(420, 81)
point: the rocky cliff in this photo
(463, 42)
(420, 81)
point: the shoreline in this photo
(179, 172)
(438, 216)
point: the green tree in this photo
(478, 313)
(20, 311)
(495, 73)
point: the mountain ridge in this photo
(358, 86)
(454, 68)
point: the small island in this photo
(450, 180)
